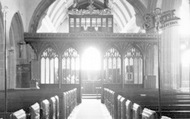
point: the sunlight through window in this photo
(184, 15)
(91, 59)
(186, 58)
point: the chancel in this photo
(94, 59)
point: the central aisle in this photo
(90, 109)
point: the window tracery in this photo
(112, 66)
(49, 67)
(133, 67)
(70, 67)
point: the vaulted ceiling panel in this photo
(123, 2)
(122, 11)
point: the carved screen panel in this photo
(90, 23)
(112, 66)
(70, 67)
(133, 67)
(49, 67)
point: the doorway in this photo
(91, 71)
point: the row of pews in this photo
(48, 109)
(55, 107)
(173, 103)
(120, 107)
(69, 102)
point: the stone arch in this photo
(41, 8)
(138, 6)
(16, 35)
(44, 4)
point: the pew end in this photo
(20, 114)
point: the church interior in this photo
(94, 59)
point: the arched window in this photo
(70, 67)
(49, 67)
(112, 66)
(133, 67)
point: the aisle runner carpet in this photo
(90, 109)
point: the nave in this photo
(143, 68)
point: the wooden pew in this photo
(148, 114)
(69, 102)
(110, 102)
(57, 107)
(24, 98)
(119, 106)
(174, 104)
(165, 117)
(136, 111)
(34, 111)
(129, 106)
(20, 114)
(52, 101)
(45, 109)
(123, 108)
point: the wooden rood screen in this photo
(124, 68)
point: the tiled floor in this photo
(90, 109)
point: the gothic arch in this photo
(41, 8)
(70, 45)
(16, 33)
(138, 6)
(14, 52)
(110, 47)
(46, 46)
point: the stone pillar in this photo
(2, 76)
(60, 70)
(122, 70)
(102, 78)
(170, 50)
(80, 78)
